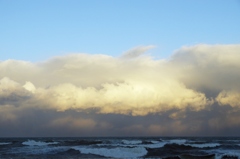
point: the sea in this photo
(121, 147)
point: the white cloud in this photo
(9, 87)
(231, 98)
(211, 67)
(137, 51)
(29, 86)
(136, 85)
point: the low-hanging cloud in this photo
(201, 79)
(135, 86)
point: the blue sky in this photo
(40, 29)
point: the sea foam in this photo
(5, 143)
(229, 153)
(178, 141)
(120, 152)
(37, 143)
(205, 145)
(132, 142)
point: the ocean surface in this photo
(122, 147)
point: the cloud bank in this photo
(194, 79)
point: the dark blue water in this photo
(122, 147)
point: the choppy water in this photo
(124, 147)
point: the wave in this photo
(157, 145)
(119, 152)
(149, 143)
(135, 143)
(204, 145)
(188, 143)
(5, 143)
(82, 142)
(155, 141)
(177, 141)
(37, 150)
(183, 147)
(37, 143)
(119, 147)
(178, 147)
(227, 154)
(211, 156)
(131, 142)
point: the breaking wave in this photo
(5, 143)
(120, 152)
(37, 143)
(151, 147)
(204, 145)
(131, 142)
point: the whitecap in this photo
(203, 145)
(131, 142)
(221, 153)
(5, 143)
(154, 144)
(38, 150)
(119, 152)
(135, 143)
(37, 143)
(178, 141)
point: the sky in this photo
(119, 68)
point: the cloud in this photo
(137, 51)
(8, 87)
(136, 87)
(30, 87)
(12, 93)
(110, 85)
(208, 67)
(202, 80)
(73, 123)
(7, 113)
(231, 98)
(123, 98)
